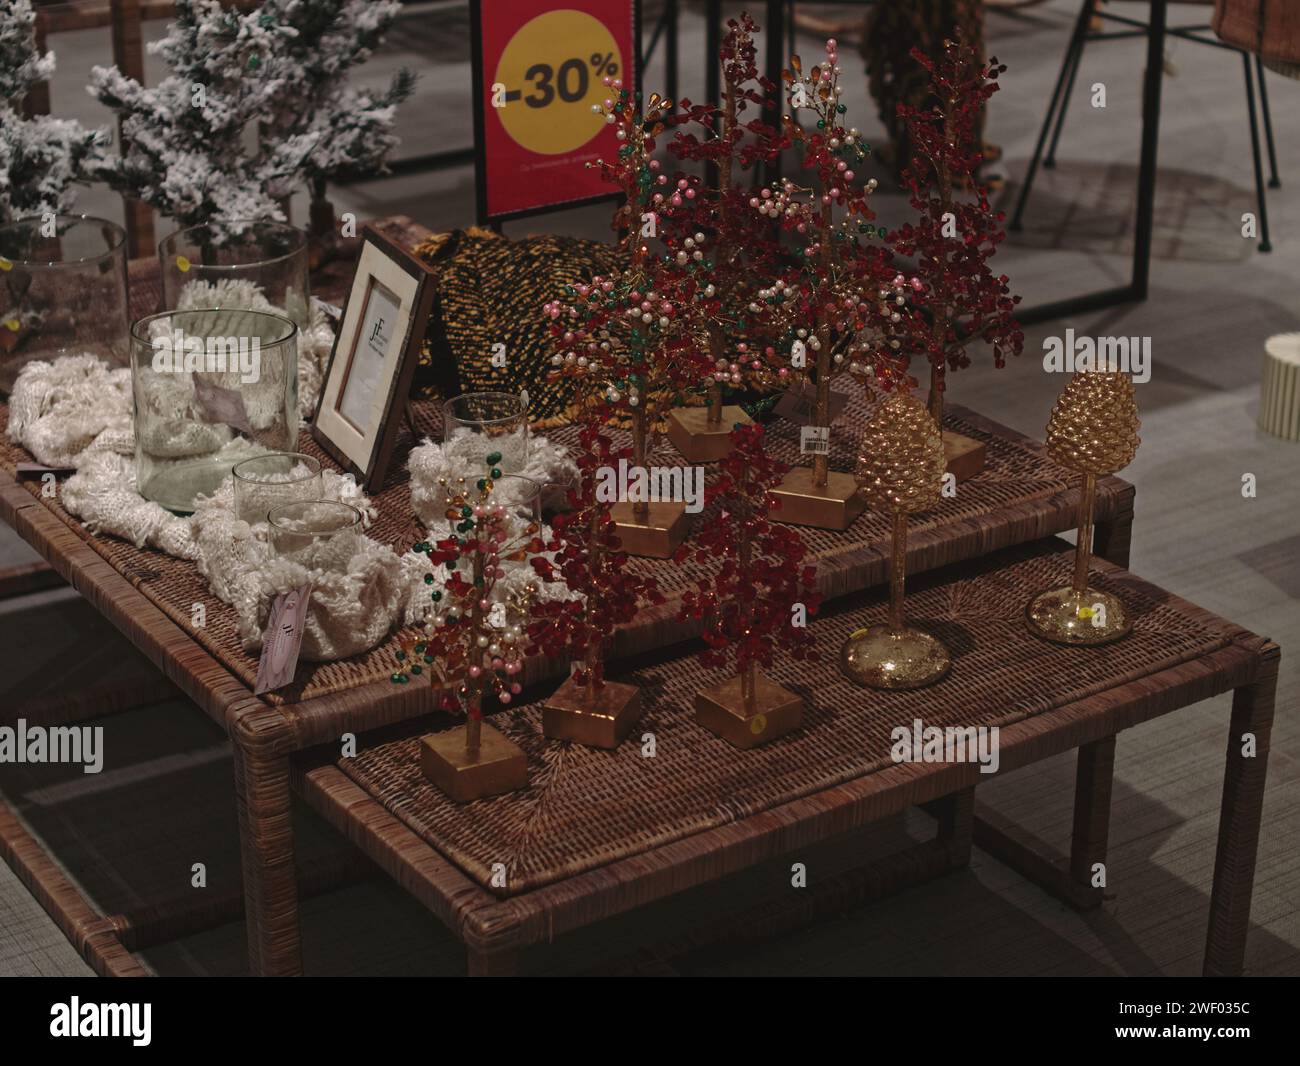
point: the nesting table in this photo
(1021, 497)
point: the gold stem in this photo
(936, 396)
(474, 724)
(1083, 550)
(822, 460)
(640, 509)
(897, 571)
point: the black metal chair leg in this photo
(1049, 161)
(1274, 181)
(1076, 44)
(1264, 244)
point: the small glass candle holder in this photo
(479, 424)
(211, 389)
(202, 263)
(62, 291)
(267, 481)
(306, 531)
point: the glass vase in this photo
(479, 424)
(62, 291)
(233, 262)
(212, 388)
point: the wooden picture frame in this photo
(367, 380)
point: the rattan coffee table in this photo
(599, 833)
(1022, 496)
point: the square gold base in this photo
(499, 765)
(835, 506)
(602, 722)
(658, 536)
(700, 441)
(966, 457)
(721, 710)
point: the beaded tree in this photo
(629, 336)
(586, 557)
(742, 253)
(954, 295)
(473, 636)
(822, 316)
(758, 597)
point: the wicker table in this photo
(599, 833)
(1021, 497)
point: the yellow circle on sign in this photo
(757, 724)
(13, 325)
(182, 264)
(5, 264)
(548, 77)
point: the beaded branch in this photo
(749, 603)
(473, 637)
(953, 295)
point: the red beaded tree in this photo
(749, 604)
(824, 315)
(588, 561)
(954, 297)
(743, 254)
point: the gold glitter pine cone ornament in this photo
(901, 467)
(1094, 430)
(901, 462)
(1094, 424)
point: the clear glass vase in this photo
(231, 263)
(62, 291)
(479, 424)
(212, 388)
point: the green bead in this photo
(495, 473)
(420, 646)
(435, 595)
(482, 484)
(494, 458)
(395, 678)
(428, 579)
(417, 669)
(400, 655)
(428, 658)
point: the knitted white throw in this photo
(75, 412)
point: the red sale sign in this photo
(539, 67)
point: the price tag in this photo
(540, 68)
(282, 640)
(798, 403)
(815, 440)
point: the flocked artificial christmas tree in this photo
(255, 104)
(41, 157)
(759, 597)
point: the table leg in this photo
(493, 963)
(266, 846)
(1239, 818)
(1093, 776)
(956, 815)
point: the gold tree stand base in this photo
(600, 722)
(885, 657)
(658, 535)
(498, 766)
(1064, 616)
(966, 456)
(699, 440)
(834, 506)
(721, 710)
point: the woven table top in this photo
(1016, 476)
(584, 807)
